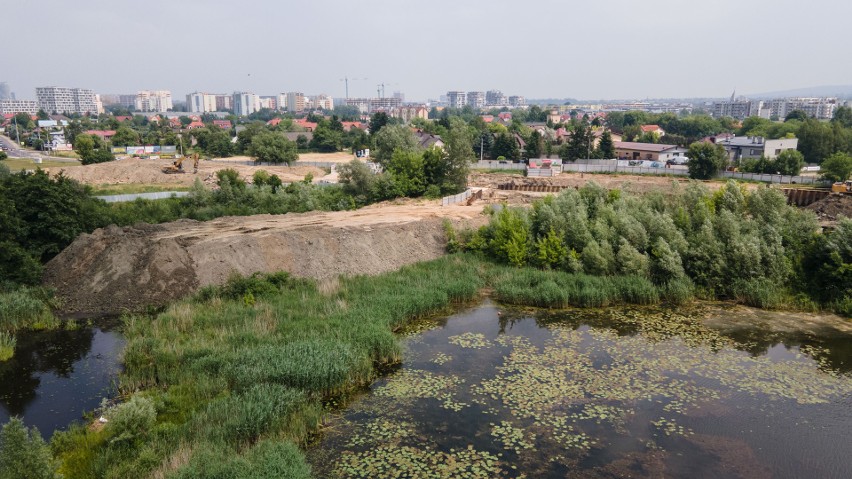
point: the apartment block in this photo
(29, 107)
(321, 102)
(245, 103)
(410, 112)
(517, 100)
(154, 100)
(295, 102)
(496, 98)
(199, 102)
(66, 100)
(476, 99)
(456, 99)
(269, 102)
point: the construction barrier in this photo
(804, 197)
(468, 195)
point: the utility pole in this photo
(481, 146)
(17, 131)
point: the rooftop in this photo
(632, 145)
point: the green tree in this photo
(705, 160)
(535, 145)
(357, 180)
(42, 115)
(124, 136)
(270, 147)
(24, 121)
(3, 155)
(796, 115)
(406, 168)
(789, 162)
(390, 139)
(579, 145)
(377, 122)
(505, 146)
(326, 138)
(816, 140)
(606, 146)
(843, 116)
(23, 453)
(648, 137)
(837, 167)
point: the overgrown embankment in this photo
(130, 268)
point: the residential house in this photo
(653, 129)
(428, 140)
(753, 147)
(630, 150)
(223, 124)
(195, 125)
(103, 134)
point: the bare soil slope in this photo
(116, 269)
(134, 170)
(832, 207)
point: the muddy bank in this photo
(126, 269)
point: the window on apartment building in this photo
(753, 152)
(777, 152)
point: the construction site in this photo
(124, 269)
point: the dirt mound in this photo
(116, 269)
(634, 183)
(134, 170)
(832, 207)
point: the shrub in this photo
(7, 346)
(131, 420)
(23, 453)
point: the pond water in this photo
(56, 376)
(497, 392)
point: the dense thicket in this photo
(734, 243)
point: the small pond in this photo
(56, 376)
(499, 392)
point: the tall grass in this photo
(7, 346)
(235, 380)
(22, 308)
(557, 289)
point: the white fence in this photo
(449, 200)
(618, 166)
(159, 195)
(542, 172)
(497, 165)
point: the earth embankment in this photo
(117, 269)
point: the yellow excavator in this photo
(177, 165)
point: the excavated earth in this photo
(117, 269)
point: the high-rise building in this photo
(517, 100)
(456, 99)
(224, 102)
(5, 93)
(496, 98)
(295, 102)
(410, 112)
(245, 103)
(201, 102)
(66, 100)
(819, 108)
(268, 102)
(156, 100)
(18, 106)
(127, 101)
(476, 99)
(321, 102)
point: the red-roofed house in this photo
(348, 125)
(104, 134)
(653, 129)
(505, 116)
(273, 122)
(194, 125)
(304, 123)
(123, 118)
(488, 118)
(223, 124)
(174, 122)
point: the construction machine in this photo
(177, 165)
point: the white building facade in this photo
(66, 100)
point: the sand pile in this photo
(117, 269)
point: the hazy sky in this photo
(536, 48)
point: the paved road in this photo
(15, 151)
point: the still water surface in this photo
(496, 392)
(56, 376)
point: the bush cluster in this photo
(736, 244)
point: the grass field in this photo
(20, 164)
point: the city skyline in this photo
(615, 49)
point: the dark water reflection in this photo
(501, 392)
(56, 376)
